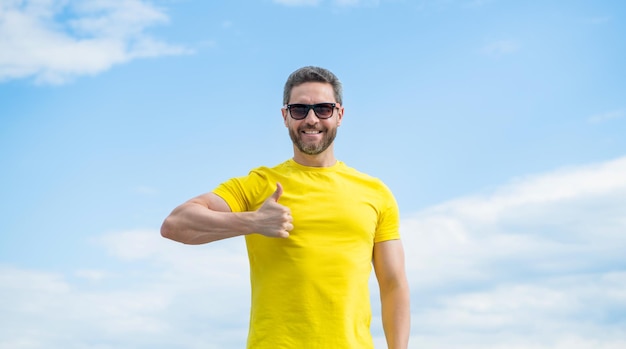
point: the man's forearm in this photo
(194, 224)
(396, 316)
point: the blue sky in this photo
(499, 125)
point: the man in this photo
(313, 229)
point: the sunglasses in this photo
(321, 110)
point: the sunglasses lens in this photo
(323, 110)
(298, 111)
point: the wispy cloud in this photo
(537, 263)
(57, 40)
(339, 3)
(604, 117)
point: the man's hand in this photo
(274, 219)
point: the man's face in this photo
(312, 135)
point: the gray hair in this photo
(312, 74)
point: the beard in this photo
(310, 148)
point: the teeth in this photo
(312, 132)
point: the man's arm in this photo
(394, 292)
(208, 218)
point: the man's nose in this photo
(311, 118)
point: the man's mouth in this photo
(311, 132)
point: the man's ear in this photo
(339, 115)
(284, 111)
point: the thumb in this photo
(279, 191)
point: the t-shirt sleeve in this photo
(244, 193)
(388, 227)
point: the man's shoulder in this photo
(275, 168)
(351, 171)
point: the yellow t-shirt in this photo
(311, 290)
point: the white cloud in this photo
(163, 295)
(93, 275)
(535, 264)
(57, 40)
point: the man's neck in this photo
(325, 159)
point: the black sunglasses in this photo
(321, 110)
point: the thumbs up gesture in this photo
(274, 219)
